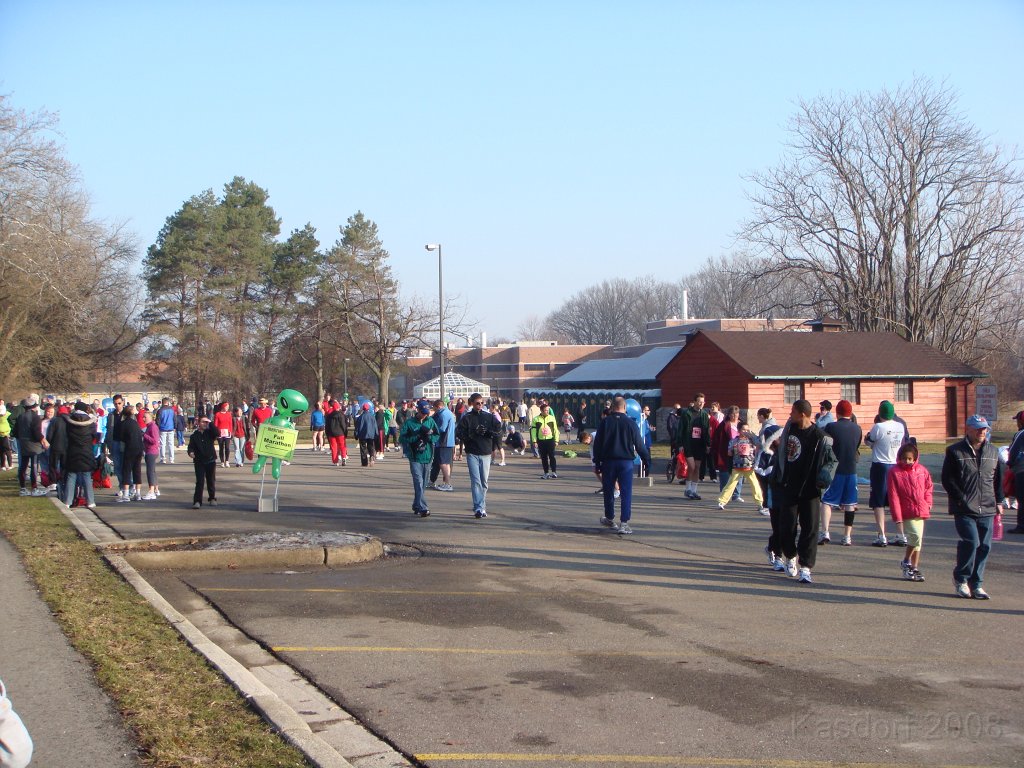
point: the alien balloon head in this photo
(291, 403)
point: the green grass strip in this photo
(180, 710)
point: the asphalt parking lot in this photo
(535, 636)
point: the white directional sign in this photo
(985, 401)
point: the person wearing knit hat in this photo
(846, 438)
(1015, 461)
(972, 476)
(885, 438)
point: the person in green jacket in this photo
(418, 437)
(694, 440)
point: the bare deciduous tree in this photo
(897, 212)
(59, 267)
(615, 311)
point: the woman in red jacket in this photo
(224, 424)
(910, 502)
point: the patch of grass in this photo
(181, 711)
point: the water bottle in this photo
(997, 529)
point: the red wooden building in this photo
(932, 391)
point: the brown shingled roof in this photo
(782, 354)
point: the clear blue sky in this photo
(546, 145)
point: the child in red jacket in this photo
(910, 502)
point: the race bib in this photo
(695, 434)
(225, 433)
(545, 432)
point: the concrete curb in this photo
(369, 549)
(282, 717)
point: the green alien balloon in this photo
(289, 403)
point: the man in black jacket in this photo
(202, 449)
(805, 466)
(616, 444)
(477, 430)
(972, 475)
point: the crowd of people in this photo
(800, 471)
(797, 472)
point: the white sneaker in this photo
(501, 464)
(764, 511)
(39, 492)
(544, 476)
(24, 492)
(721, 505)
(805, 575)
(554, 475)
(780, 565)
(149, 497)
(824, 538)
(847, 541)
(791, 568)
(899, 540)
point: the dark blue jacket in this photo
(618, 437)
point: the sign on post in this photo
(985, 401)
(276, 442)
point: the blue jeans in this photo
(239, 444)
(972, 549)
(479, 468)
(167, 446)
(74, 479)
(419, 473)
(617, 471)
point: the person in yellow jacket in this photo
(6, 455)
(544, 435)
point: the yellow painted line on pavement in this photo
(378, 591)
(471, 651)
(760, 658)
(724, 762)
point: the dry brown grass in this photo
(180, 711)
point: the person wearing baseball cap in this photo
(972, 476)
(1016, 465)
(202, 449)
(825, 416)
(418, 438)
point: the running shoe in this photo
(771, 555)
(625, 529)
(880, 541)
(899, 540)
(980, 594)
(960, 589)
(847, 541)
(480, 513)
(824, 538)
(805, 576)
(609, 522)
(780, 565)
(791, 567)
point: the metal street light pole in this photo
(440, 311)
